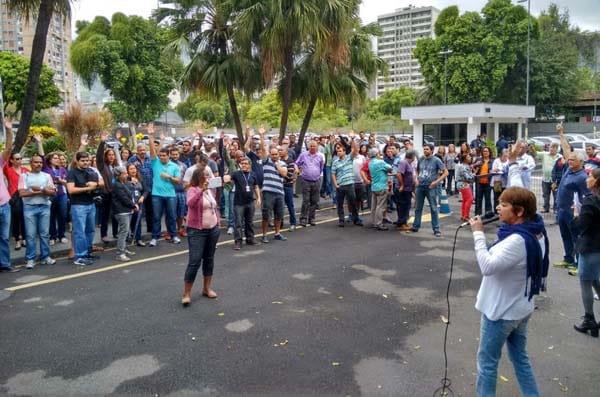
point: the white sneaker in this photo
(51, 242)
(230, 230)
(153, 243)
(127, 252)
(48, 261)
(292, 228)
(64, 240)
(123, 258)
(30, 264)
(176, 240)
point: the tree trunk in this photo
(235, 114)
(306, 122)
(287, 91)
(38, 49)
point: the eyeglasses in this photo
(16, 158)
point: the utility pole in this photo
(445, 53)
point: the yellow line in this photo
(140, 261)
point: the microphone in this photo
(489, 217)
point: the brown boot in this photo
(187, 289)
(206, 291)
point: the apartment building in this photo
(401, 30)
(16, 35)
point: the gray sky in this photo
(584, 13)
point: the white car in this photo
(579, 146)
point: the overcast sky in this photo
(584, 13)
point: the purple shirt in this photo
(4, 196)
(57, 172)
(408, 175)
(312, 165)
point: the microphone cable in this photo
(444, 389)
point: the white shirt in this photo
(504, 269)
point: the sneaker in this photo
(437, 233)
(414, 229)
(358, 223)
(230, 230)
(292, 228)
(237, 246)
(387, 220)
(127, 252)
(92, 257)
(265, 240)
(382, 228)
(153, 243)
(123, 258)
(140, 243)
(563, 264)
(51, 242)
(176, 240)
(251, 242)
(303, 224)
(83, 262)
(30, 264)
(64, 240)
(182, 233)
(279, 237)
(341, 224)
(313, 223)
(167, 236)
(9, 269)
(48, 261)
(403, 228)
(573, 271)
(18, 245)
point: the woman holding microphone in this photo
(514, 270)
(203, 234)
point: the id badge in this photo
(247, 189)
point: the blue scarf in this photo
(537, 266)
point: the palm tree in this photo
(283, 30)
(202, 32)
(44, 11)
(338, 83)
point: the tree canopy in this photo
(14, 70)
(126, 55)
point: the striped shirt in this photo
(273, 182)
(343, 171)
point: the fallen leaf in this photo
(504, 378)
(335, 364)
(555, 379)
(283, 342)
(550, 347)
(417, 347)
(220, 314)
(340, 297)
(563, 388)
(444, 319)
(277, 303)
(301, 354)
(193, 338)
(385, 296)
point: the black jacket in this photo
(122, 198)
(588, 225)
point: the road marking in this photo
(152, 259)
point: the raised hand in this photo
(118, 135)
(150, 129)
(261, 130)
(513, 152)
(84, 140)
(104, 136)
(8, 124)
(37, 138)
(162, 136)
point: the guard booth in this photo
(445, 124)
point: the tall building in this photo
(401, 30)
(16, 35)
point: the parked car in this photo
(576, 137)
(580, 145)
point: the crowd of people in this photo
(201, 184)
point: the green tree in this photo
(126, 55)
(282, 30)
(14, 70)
(485, 49)
(391, 102)
(202, 31)
(208, 110)
(44, 11)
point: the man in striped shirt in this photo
(342, 176)
(274, 171)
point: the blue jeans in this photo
(58, 217)
(83, 219)
(202, 246)
(4, 235)
(288, 192)
(169, 205)
(568, 233)
(492, 337)
(423, 192)
(37, 221)
(326, 186)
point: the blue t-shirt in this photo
(571, 183)
(379, 177)
(429, 169)
(163, 187)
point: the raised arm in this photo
(353, 144)
(39, 140)
(100, 151)
(263, 147)
(9, 140)
(248, 140)
(151, 143)
(564, 143)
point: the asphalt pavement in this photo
(331, 312)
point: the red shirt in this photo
(12, 177)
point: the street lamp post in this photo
(595, 132)
(445, 53)
(528, 45)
